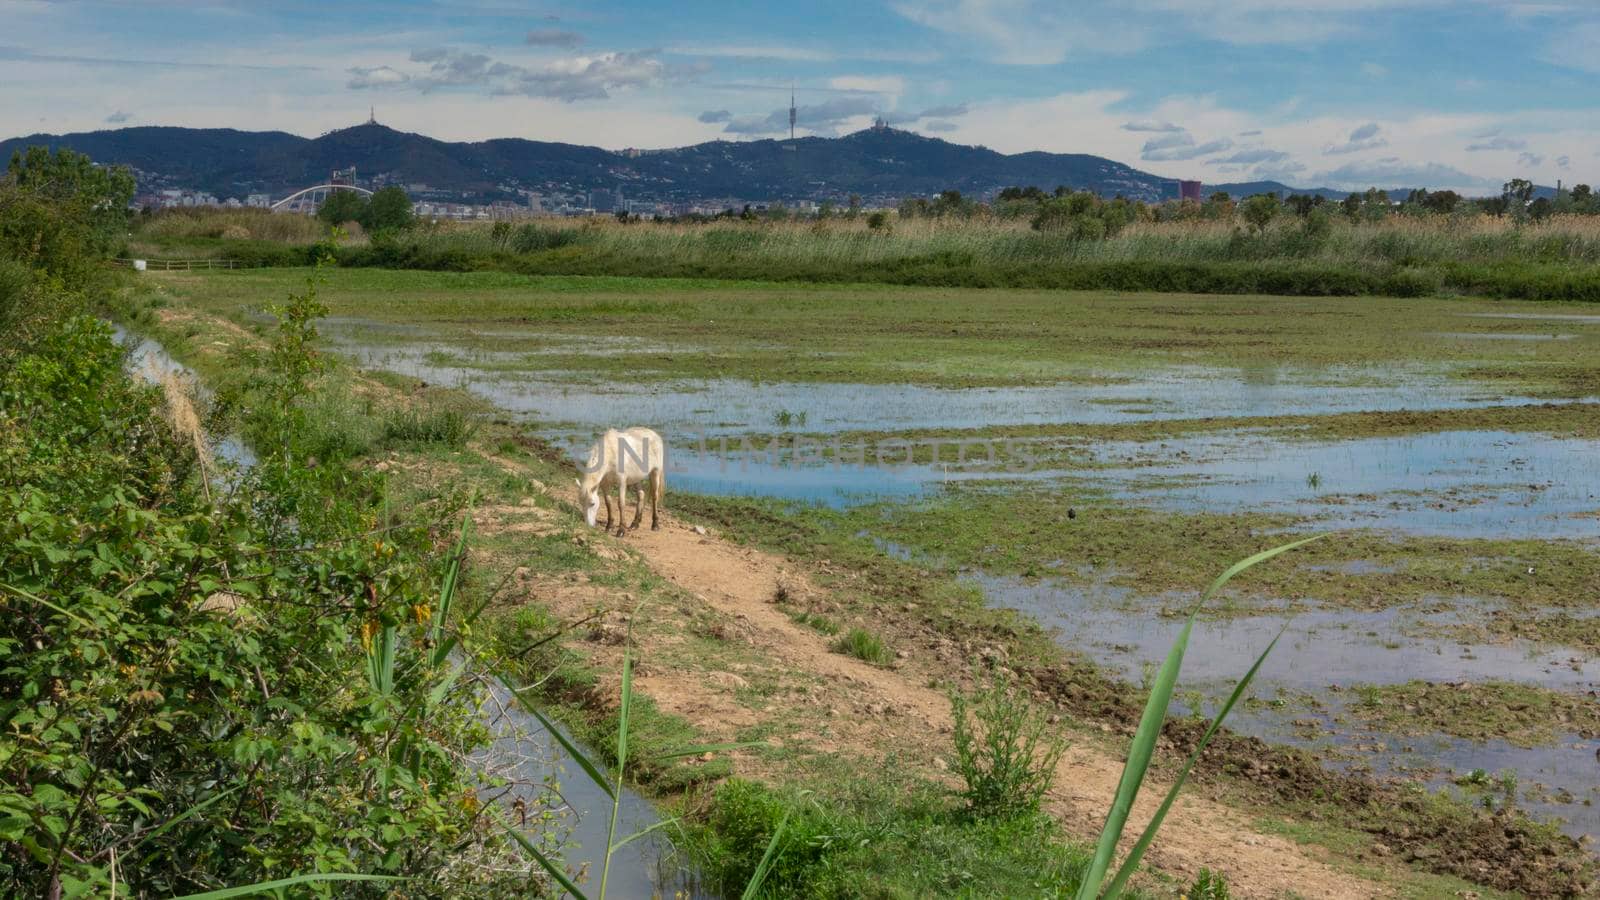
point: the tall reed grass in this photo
(233, 224)
(1395, 240)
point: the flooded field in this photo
(730, 406)
(1505, 510)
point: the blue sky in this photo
(1343, 93)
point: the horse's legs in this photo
(638, 507)
(658, 482)
(607, 498)
(622, 506)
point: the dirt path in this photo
(740, 584)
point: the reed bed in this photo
(231, 224)
(1398, 255)
(1396, 240)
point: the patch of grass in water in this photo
(1523, 715)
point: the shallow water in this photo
(1486, 484)
(527, 756)
(1473, 484)
(1319, 649)
(149, 360)
(735, 406)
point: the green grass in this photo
(863, 645)
(882, 837)
(886, 334)
(1521, 714)
(450, 427)
(816, 622)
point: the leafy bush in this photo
(863, 645)
(202, 688)
(449, 427)
(1004, 751)
(1208, 885)
(879, 836)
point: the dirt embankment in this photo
(741, 583)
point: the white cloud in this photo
(826, 117)
(1023, 32)
(1367, 137)
(1374, 70)
(1497, 142)
(569, 79)
(754, 51)
(1576, 46)
(375, 77)
(553, 37)
(883, 84)
(1251, 156)
(1394, 172)
(1150, 125)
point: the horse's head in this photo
(588, 501)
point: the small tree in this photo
(94, 198)
(388, 210)
(342, 207)
(1259, 211)
(1351, 206)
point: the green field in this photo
(948, 337)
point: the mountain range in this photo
(878, 163)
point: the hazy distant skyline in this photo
(1341, 93)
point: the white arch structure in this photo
(311, 199)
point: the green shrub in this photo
(880, 835)
(1004, 751)
(1208, 885)
(863, 645)
(188, 676)
(448, 427)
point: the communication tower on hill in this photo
(793, 113)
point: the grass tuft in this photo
(815, 622)
(863, 645)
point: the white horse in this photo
(619, 460)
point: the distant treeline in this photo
(1066, 241)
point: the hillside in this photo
(882, 162)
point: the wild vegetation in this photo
(211, 677)
(1075, 241)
